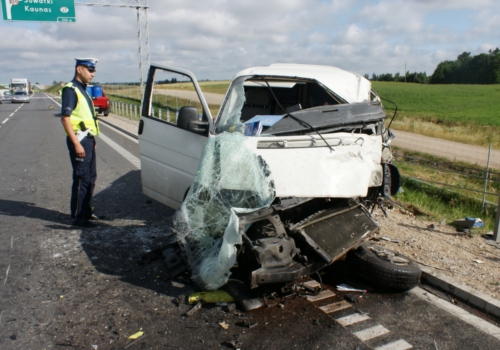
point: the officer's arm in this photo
(80, 151)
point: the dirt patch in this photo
(466, 258)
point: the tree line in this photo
(466, 69)
(415, 77)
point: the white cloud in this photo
(216, 39)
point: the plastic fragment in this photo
(136, 335)
(216, 296)
(224, 325)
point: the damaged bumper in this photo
(272, 253)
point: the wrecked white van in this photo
(279, 185)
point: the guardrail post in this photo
(496, 233)
(135, 112)
(159, 113)
(486, 175)
(168, 115)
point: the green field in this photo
(447, 104)
(477, 104)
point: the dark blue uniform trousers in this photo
(84, 177)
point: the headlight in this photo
(386, 154)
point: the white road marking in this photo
(128, 156)
(352, 319)
(323, 295)
(370, 333)
(5, 121)
(456, 311)
(396, 345)
(328, 309)
(53, 100)
(12, 114)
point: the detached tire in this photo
(383, 268)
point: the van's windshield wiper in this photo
(298, 120)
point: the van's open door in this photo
(175, 123)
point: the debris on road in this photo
(212, 297)
(136, 339)
(224, 325)
(194, 309)
(347, 288)
(353, 298)
(136, 335)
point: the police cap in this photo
(87, 62)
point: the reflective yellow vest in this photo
(82, 112)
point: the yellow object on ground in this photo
(216, 296)
(136, 335)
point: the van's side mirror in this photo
(188, 119)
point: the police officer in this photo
(78, 118)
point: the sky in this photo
(216, 39)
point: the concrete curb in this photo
(477, 299)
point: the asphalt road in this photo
(62, 287)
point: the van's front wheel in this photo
(384, 269)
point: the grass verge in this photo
(438, 201)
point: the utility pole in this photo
(142, 29)
(405, 71)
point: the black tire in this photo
(373, 265)
(106, 112)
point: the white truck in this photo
(20, 84)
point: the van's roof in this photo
(350, 86)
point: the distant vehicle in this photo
(99, 98)
(6, 96)
(20, 84)
(20, 97)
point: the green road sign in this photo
(39, 10)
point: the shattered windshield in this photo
(231, 179)
(229, 120)
(267, 100)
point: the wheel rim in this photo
(389, 255)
